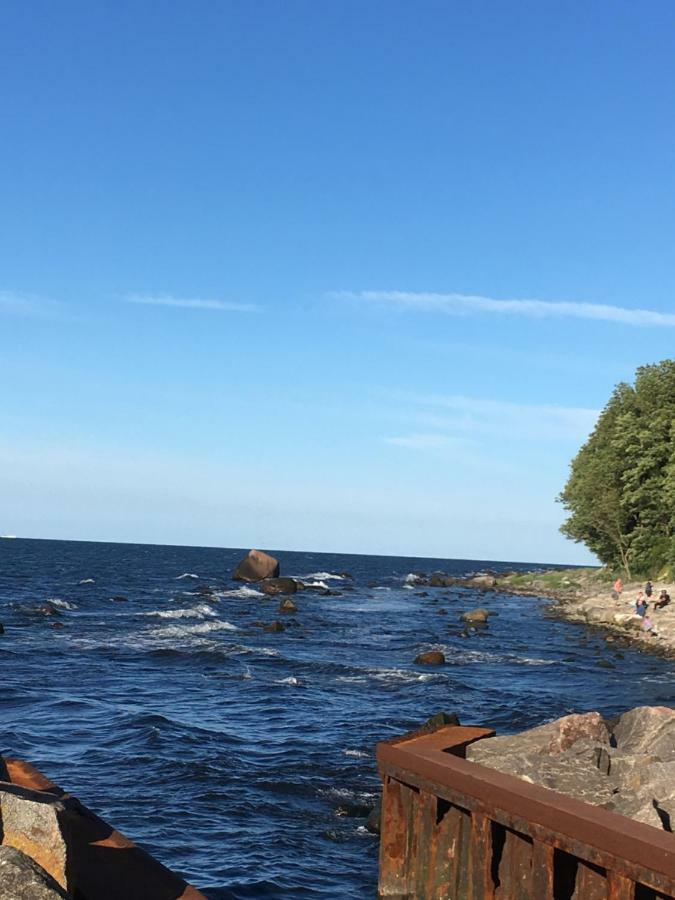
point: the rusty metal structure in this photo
(84, 855)
(455, 830)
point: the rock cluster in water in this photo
(626, 765)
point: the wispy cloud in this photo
(465, 304)
(191, 303)
(425, 441)
(14, 303)
(453, 418)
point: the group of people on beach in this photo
(643, 601)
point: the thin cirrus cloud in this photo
(449, 420)
(191, 303)
(18, 304)
(466, 304)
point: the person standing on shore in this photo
(649, 587)
(617, 589)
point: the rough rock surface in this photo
(430, 658)
(476, 615)
(627, 766)
(256, 566)
(30, 823)
(279, 586)
(287, 606)
(21, 878)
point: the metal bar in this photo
(542, 870)
(620, 887)
(482, 886)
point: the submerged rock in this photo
(275, 626)
(279, 586)
(287, 606)
(476, 615)
(21, 878)
(431, 658)
(256, 566)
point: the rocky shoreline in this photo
(579, 595)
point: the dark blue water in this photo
(228, 751)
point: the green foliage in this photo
(621, 489)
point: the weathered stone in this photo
(287, 606)
(647, 729)
(279, 586)
(256, 566)
(21, 878)
(640, 806)
(476, 615)
(30, 823)
(550, 739)
(431, 658)
(483, 582)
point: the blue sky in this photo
(335, 276)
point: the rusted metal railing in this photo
(455, 830)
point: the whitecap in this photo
(63, 604)
(87, 581)
(323, 576)
(186, 575)
(317, 584)
(181, 631)
(359, 754)
(245, 593)
(290, 680)
(195, 612)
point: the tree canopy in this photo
(621, 490)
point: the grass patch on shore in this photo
(558, 579)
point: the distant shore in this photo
(585, 595)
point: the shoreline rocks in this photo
(627, 765)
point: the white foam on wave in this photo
(195, 612)
(261, 651)
(63, 604)
(469, 657)
(362, 797)
(317, 584)
(186, 575)
(392, 676)
(87, 581)
(359, 754)
(292, 680)
(245, 593)
(182, 631)
(323, 576)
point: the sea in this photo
(244, 759)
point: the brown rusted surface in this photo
(25, 775)
(491, 836)
(87, 857)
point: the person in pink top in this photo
(617, 589)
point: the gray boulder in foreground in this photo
(627, 766)
(21, 878)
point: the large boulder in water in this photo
(430, 658)
(476, 615)
(256, 566)
(21, 878)
(279, 586)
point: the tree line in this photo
(620, 494)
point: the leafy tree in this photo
(621, 489)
